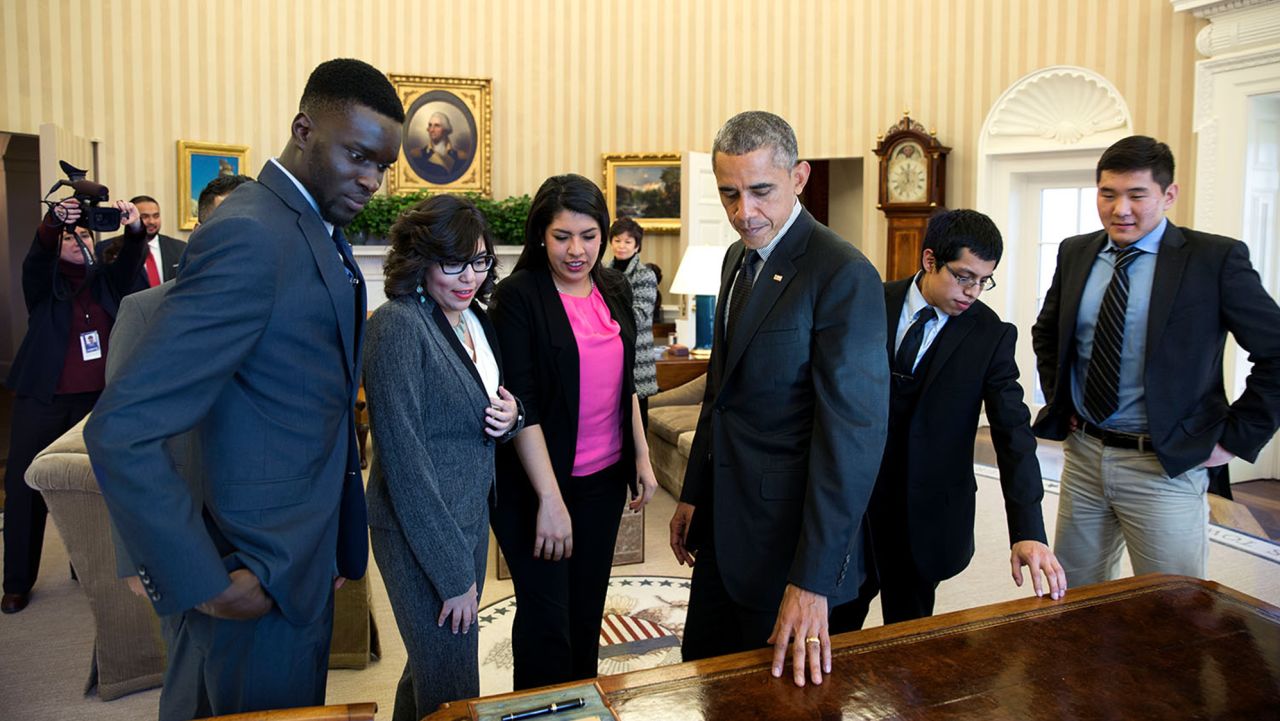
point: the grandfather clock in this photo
(913, 185)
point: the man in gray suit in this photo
(793, 422)
(265, 321)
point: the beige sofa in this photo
(128, 653)
(673, 417)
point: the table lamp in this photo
(699, 276)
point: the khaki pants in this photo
(1113, 497)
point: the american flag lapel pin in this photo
(777, 277)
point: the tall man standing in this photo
(793, 421)
(950, 356)
(265, 319)
(1129, 351)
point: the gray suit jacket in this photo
(266, 328)
(793, 422)
(433, 471)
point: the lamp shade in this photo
(699, 271)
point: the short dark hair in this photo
(440, 228)
(573, 193)
(752, 130)
(337, 84)
(143, 199)
(627, 225)
(216, 188)
(1138, 152)
(951, 231)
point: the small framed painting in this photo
(198, 163)
(644, 187)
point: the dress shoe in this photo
(14, 602)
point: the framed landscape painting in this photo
(644, 187)
(198, 163)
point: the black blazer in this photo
(971, 364)
(38, 364)
(793, 422)
(540, 362)
(1204, 287)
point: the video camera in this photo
(90, 194)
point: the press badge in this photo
(90, 345)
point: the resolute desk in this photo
(1153, 647)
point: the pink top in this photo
(600, 382)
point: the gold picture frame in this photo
(198, 163)
(447, 140)
(644, 187)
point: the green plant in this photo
(380, 213)
(506, 217)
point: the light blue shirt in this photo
(914, 302)
(765, 252)
(328, 227)
(1131, 413)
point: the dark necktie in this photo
(741, 292)
(344, 254)
(905, 360)
(1102, 382)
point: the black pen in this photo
(546, 710)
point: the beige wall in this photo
(575, 78)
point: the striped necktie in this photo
(1102, 382)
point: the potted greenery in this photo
(506, 217)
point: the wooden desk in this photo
(675, 371)
(1156, 647)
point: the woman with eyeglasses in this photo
(437, 409)
(568, 332)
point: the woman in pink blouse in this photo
(567, 334)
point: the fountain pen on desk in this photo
(545, 710)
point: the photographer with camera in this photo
(58, 373)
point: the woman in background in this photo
(60, 369)
(625, 239)
(568, 333)
(432, 376)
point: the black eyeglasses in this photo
(480, 264)
(967, 281)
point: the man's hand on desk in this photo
(802, 620)
(243, 600)
(680, 521)
(1039, 559)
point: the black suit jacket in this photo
(792, 426)
(540, 363)
(171, 250)
(971, 364)
(267, 328)
(1204, 287)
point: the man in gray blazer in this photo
(265, 321)
(1129, 351)
(793, 422)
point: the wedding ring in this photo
(813, 639)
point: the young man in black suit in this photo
(950, 356)
(1129, 351)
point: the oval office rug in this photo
(642, 627)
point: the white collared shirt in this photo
(153, 247)
(914, 302)
(765, 252)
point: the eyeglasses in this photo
(480, 264)
(967, 281)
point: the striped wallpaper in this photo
(576, 78)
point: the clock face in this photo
(908, 173)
